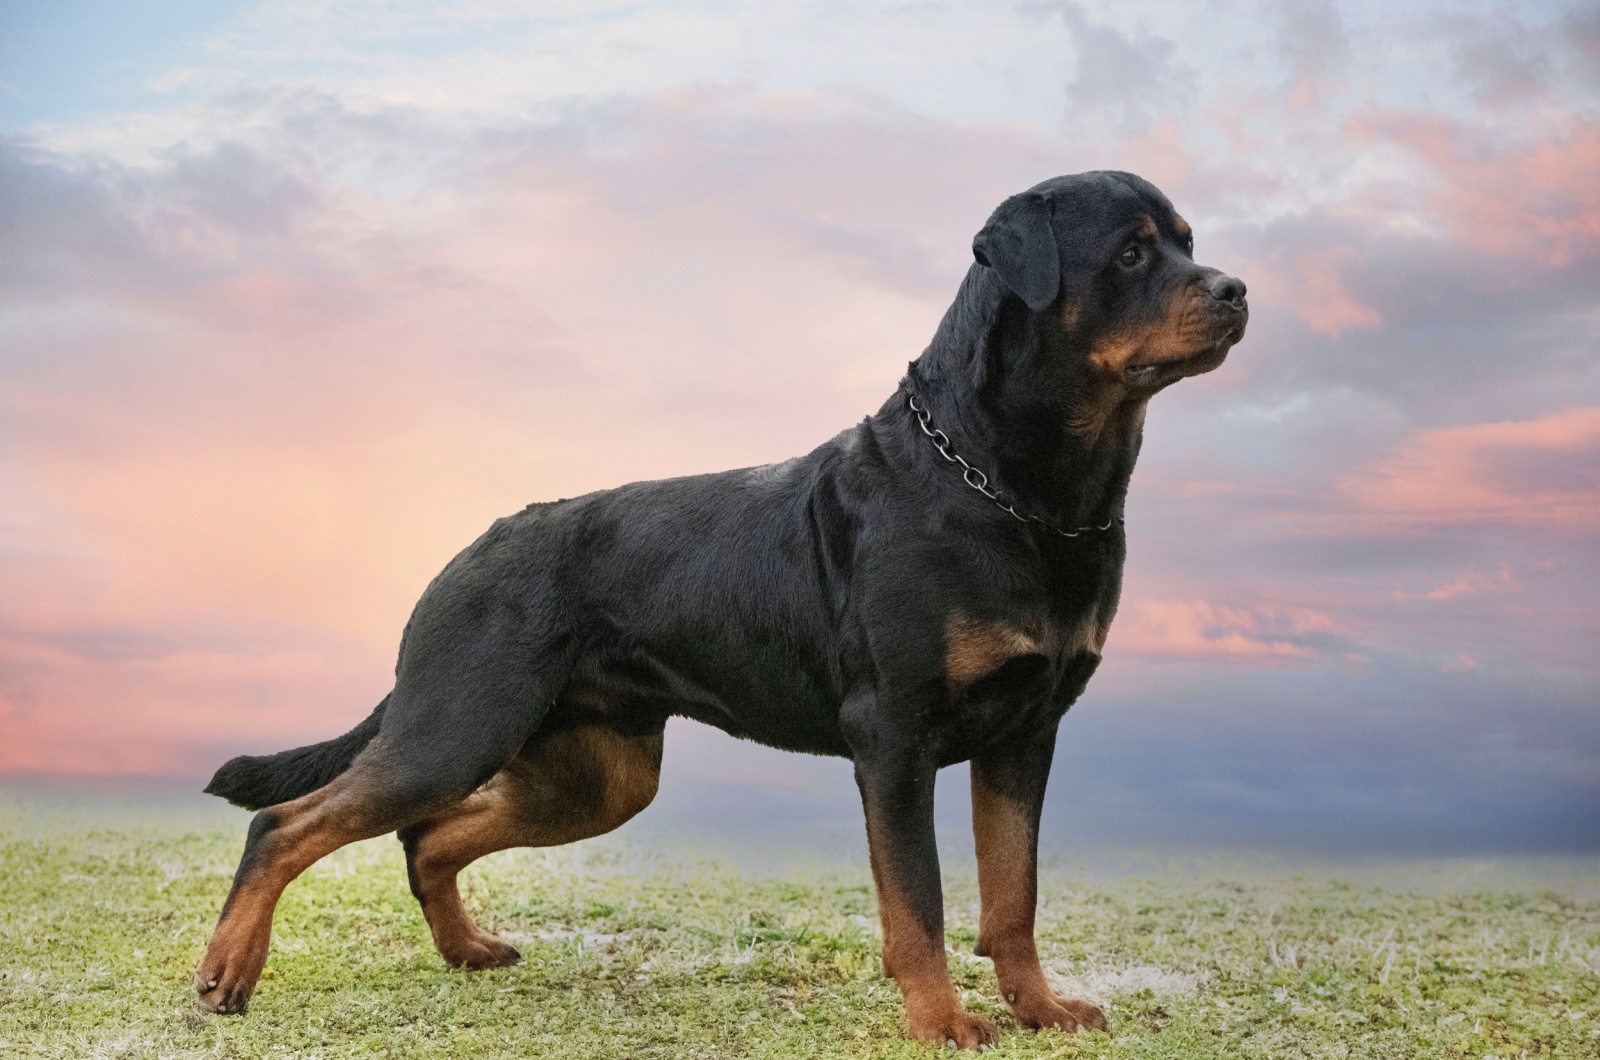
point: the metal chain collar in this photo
(980, 482)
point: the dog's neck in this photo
(1014, 394)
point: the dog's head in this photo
(1104, 262)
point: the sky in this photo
(296, 297)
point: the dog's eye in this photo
(1131, 255)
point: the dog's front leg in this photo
(896, 779)
(1007, 796)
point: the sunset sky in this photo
(296, 297)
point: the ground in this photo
(634, 952)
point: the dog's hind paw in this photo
(481, 951)
(221, 994)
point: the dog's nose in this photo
(1227, 289)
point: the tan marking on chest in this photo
(1090, 635)
(974, 649)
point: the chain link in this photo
(980, 482)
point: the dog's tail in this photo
(254, 781)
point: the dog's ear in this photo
(1020, 246)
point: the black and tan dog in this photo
(932, 586)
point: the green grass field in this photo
(630, 954)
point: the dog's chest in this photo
(979, 650)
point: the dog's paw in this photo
(229, 971)
(481, 951)
(223, 986)
(952, 1027)
(1056, 1010)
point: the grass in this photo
(629, 955)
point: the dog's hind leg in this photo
(562, 787)
(431, 752)
(479, 668)
(381, 792)
(283, 841)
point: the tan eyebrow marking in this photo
(1147, 228)
(1181, 226)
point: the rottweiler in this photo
(931, 586)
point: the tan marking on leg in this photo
(914, 958)
(568, 786)
(975, 649)
(1007, 846)
(632, 773)
(438, 849)
(308, 829)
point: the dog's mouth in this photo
(1156, 374)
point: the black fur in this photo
(1019, 245)
(862, 600)
(254, 781)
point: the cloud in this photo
(1197, 629)
(1506, 61)
(255, 403)
(1313, 42)
(1474, 583)
(1403, 326)
(1393, 756)
(1131, 75)
(1533, 196)
(1579, 32)
(1321, 298)
(110, 700)
(279, 341)
(1543, 472)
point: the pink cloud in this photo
(271, 437)
(77, 700)
(1541, 472)
(1318, 294)
(1197, 629)
(1534, 196)
(1474, 583)
(281, 433)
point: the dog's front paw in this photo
(951, 1026)
(1056, 1010)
